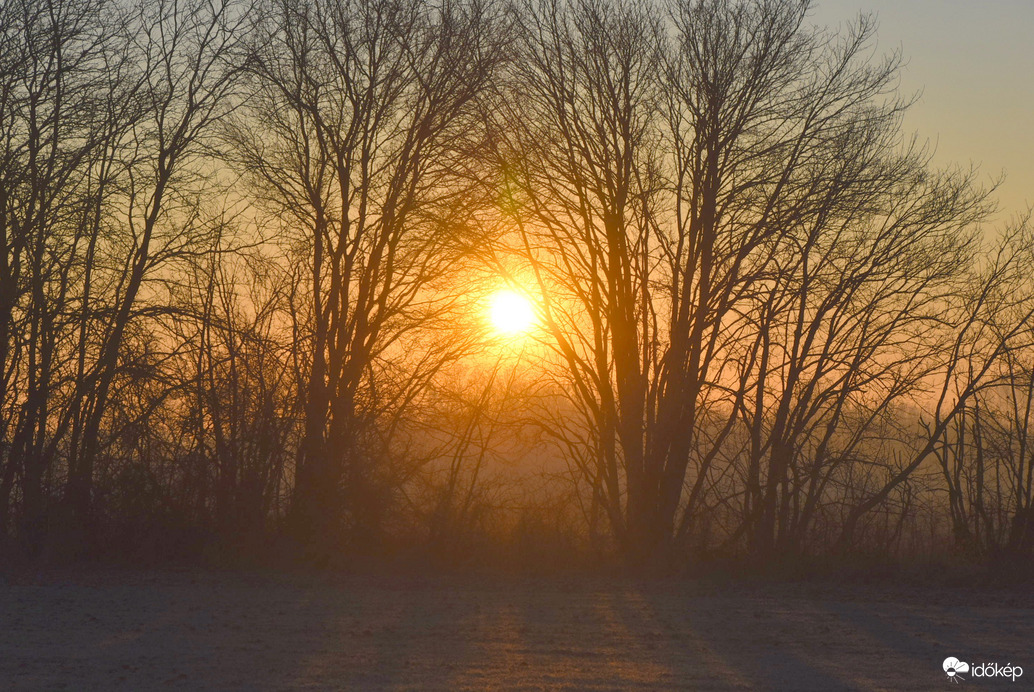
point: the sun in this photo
(510, 312)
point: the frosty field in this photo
(233, 631)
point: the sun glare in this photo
(510, 312)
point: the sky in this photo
(973, 60)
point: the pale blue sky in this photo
(974, 62)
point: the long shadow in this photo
(230, 633)
(238, 632)
(732, 641)
(389, 633)
(918, 636)
(569, 637)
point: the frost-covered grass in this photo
(117, 630)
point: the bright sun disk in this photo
(510, 312)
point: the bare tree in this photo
(577, 126)
(726, 229)
(103, 109)
(989, 332)
(185, 71)
(365, 111)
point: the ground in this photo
(118, 630)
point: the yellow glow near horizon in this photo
(510, 312)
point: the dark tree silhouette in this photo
(365, 110)
(732, 242)
(245, 246)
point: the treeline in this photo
(245, 249)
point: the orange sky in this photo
(974, 62)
